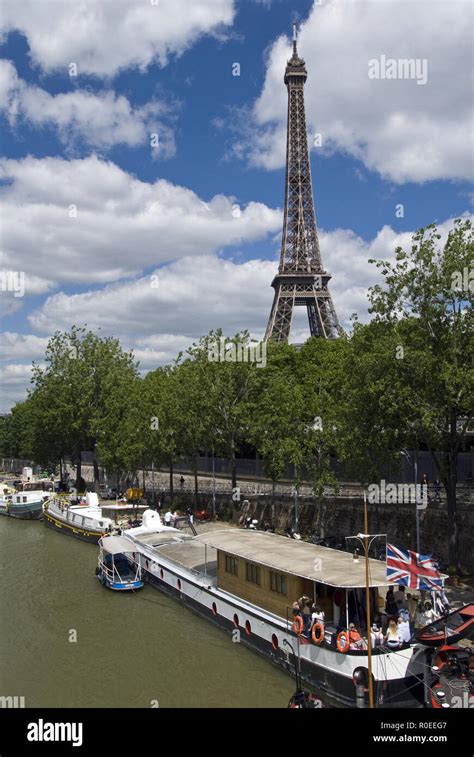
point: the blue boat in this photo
(114, 570)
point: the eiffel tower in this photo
(301, 279)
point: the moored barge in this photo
(85, 522)
(246, 582)
(27, 505)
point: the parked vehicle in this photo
(202, 514)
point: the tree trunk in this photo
(96, 475)
(196, 485)
(447, 468)
(78, 472)
(273, 503)
(61, 469)
(450, 484)
(233, 468)
(171, 482)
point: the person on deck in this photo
(305, 604)
(428, 614)
(400, 598)
(404, 630)
(355, 639)
(376, 636)
(419, 616)
(411, 605)
(392, 637)
(391, 607)
(317, 615)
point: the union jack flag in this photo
(412, 569)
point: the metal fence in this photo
(251, 468)
(404, 474)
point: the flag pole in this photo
(367, 602)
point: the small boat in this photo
(114, 569)
(27, 505)
(453, 678)
(450, 628)
(85, 522)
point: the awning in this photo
(115, 545)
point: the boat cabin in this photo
(272, 572)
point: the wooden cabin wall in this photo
(262, 595)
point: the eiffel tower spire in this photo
(301, 278)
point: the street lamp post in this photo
(213, 486)
(296, 508)
(414, 465)
(153, 482)
(366, 541)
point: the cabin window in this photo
(24, 499)
(253, 573)
(278, 582)
(231, 565)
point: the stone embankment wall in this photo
(339, 517)
(339, 513)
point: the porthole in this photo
(162, 575)
(214, 608)
(274, 641)
(248, 627)
(236, 620)
(179, 584)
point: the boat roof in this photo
(123, 507)
(115, 545)
(322, 564)
(88, 511)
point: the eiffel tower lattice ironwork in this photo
(301, 279)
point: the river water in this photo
(131, 649)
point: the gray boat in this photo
(26, 504)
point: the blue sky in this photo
(85, 140)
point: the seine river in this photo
(131, 649)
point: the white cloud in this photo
(104, 36)
(195, 295)
(15, 346)
(101, 120)
(90, 221)
(187, 298)
(404, 131)
(14, 381)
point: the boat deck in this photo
(193, 556)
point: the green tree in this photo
(79, 391)
(225, 388)
(409, 377)
(16, 432)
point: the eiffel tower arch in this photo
(301, 278)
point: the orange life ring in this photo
(298, 625)
(317, 638)
(342, 642)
